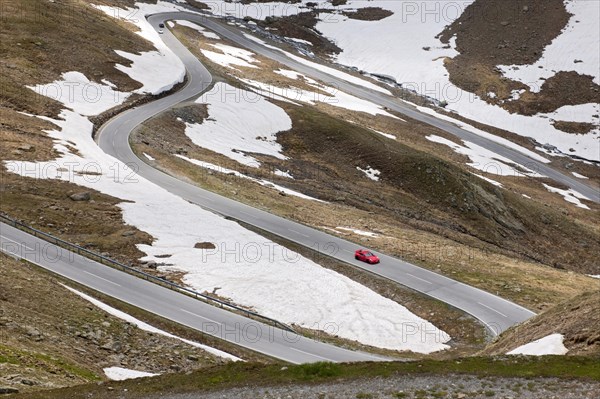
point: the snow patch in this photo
(149, 157)
(326, 95)
(121, 374)
(494, 182)
(159, 70)
(569, 195)
(549, 345)
(328, 70)
(577, 175)
(230, 55)
(77, 92)
(198, 28)
(389, 136)
(283, 174)
(240, 123)
(262, 182)
(371, 173)
(489, 136)
(359, 232)
(484, 159)
(301, 41)
(289, 73)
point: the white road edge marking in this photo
(311, 354)
(101, 278)
(486, 306)
(419, 278)
(19, 244)
(197, 315)
(297, 232)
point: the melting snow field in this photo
(240, 123)
(198, 28)
(412, 29)
(77, 92)
(569, 195)
(262, 182)
(549, 345)
(485, 160)
(561, 54)
(148, 328)
(229, 55)
(159, 70)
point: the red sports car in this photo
(366, 256)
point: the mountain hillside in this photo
(577, 319)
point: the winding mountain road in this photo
(495, 313)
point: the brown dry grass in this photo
(41, 40)
(45, 204)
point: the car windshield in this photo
(368, 253)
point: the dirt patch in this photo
(578, 319)
(300, 26)
(369, 14)
(574, 127)
(491, 33)
(564, 88)
(198, 4)
(204, 245)
(498, 33)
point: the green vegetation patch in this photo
(251, 374)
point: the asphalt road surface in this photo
(251, 334)
(496, 313)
